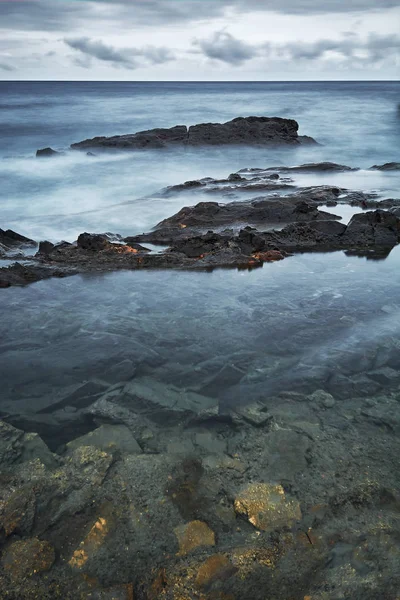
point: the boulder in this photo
(91, 241)
(375, 228)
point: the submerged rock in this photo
(265, 506)
(242, 130)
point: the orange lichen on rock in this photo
(193, 535)
(26, 558)
(265, 506)
(90, 544)
(269, 256)
(217, 567)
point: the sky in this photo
(211, 40)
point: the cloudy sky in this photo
(199, 39)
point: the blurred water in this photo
(358, 123)
(311, 308)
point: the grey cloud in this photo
(126, 57)
(67, 15)
(6, 67)
(225, 47)
(375, 47)
(101, 51)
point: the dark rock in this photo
(137, 247)
(11, 239)
(19, 274)
(243, 130)
(391, 166)
(110, 438)
(45, 247)
(90, 154)
(17, 447)
(249, 130)
(314, 168)
(91, 241)
(154, 138)
(236, 177)
(377, 228)
(211, 214)
(47, 152)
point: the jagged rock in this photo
(11, 239)
(26, 558)
(160, 402)
(47, 152)
(91, 241)
(377, 228)
(242, 130)
(45, 247)
(17, 447)
(109, 438)
(265, 506)
(391, 166)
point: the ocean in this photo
(249, 413)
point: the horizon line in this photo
(199, 80)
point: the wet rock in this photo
(215, 568)
(242, 130)
(45, 247)
(256, 414)
(159, 401)
(151, 139)
(193, 535)
(285, 452)
(122, 371)
(323, 399)
(375, 228)
(19, 274)
(314, 168)
(78, 395)
(26, 558)
(90, 545)
(18, 512)
(391, 166)
(262, 211)
(11, 239)
(110, 438)
(209, 442)
(385, 376)
(265, 506)
(90, 241)
(47, 152)
(86, 464)
(18, 447)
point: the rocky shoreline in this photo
(241, 233)
(165, 498)
(236, 483)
